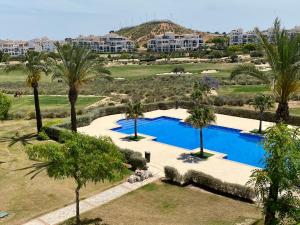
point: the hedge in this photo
(210, 183)
(85, 120)
(173, 175)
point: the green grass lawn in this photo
(134, 71)
(26, 104)
(165, 204)
(18, 76)
(251, 89)
(22, 197)
(295, 111)
(148, 70)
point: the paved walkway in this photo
(63, 214)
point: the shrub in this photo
(31, 115)
(210, 183)
(256, 54)
(178, 69)
(137, 161)
(42, 135)
(127, 153)
(5, 104)
(216, 185)
(54, 132)
(172, 175)
(215, 54)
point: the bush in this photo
(5, 104)
(210, 183)
(215, 55)
(135, 159)
(172, 174)
(257, 54)
(178, 69)
(127, 153)
(42, 135)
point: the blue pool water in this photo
(243, 148)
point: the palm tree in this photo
(75, 66)
(200, 117)
(134, 111)
(283, 55)
(33, 66)
(262, 103)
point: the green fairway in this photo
(26, 103)
(17, 76)
(246, 89)
(148, 70)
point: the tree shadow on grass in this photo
(17, 138)
(86, 221)
(189, 158)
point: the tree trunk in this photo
(201, 143)
(282, 112)
(135, 128)
(73, 94)
(270, 215)
(77, 205)
(260, 122)
(38, 115)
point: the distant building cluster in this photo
(114, 43)
(238, 36)
(111, 43)
(19, 48)
(170, 42)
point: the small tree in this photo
(4, 57)
(5, 104)
(81, 157)
(261, 103)
(134, 111)
(201, 117)
(277, 185)
(178, 70)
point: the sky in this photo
(57, 19)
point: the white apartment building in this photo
(14, 48)
(18, 48)
(170, 42)
(43, 44)
(238, 37)
(110, 43)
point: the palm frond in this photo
(249, 69)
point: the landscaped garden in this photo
(74, 160)
(22, 197)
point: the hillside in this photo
(143, 32)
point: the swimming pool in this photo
(239, 147)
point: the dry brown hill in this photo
(145, 31)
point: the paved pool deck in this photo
(168, 155)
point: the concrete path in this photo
(63, 214)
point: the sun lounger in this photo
(3, 214)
